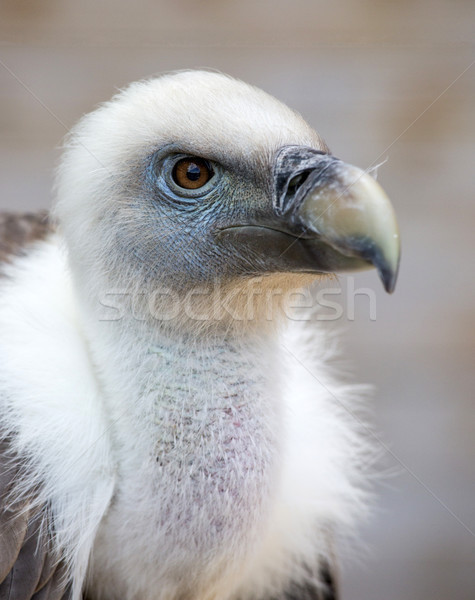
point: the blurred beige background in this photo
(380, 80)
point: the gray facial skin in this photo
(304, 212)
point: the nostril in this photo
(295, 183)
(292, 174)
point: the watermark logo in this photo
(248, 302)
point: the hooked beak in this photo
(327, 216)
(342, 206)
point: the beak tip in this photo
(386, 263)
(389, 282)
(388, 275)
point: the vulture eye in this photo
(183, 178)
(192, 173)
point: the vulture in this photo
(169, 429)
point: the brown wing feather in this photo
(329, 579)
(324, 588)
(55, 589)
(13, 517)
(28, 566)
(50, 567)
(17, 230)
(24, 577)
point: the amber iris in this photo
(192, 173)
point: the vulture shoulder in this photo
(17, 230)
(29, 567)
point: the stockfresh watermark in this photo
(249, 302)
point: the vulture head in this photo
(195, 178)
(185, 466)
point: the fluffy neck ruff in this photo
(232, 468)
(197, 428)
(257, 454)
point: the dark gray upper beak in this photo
(339, 206)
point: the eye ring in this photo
(165, 174)
(192, 172)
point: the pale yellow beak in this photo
(350, 211)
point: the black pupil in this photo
(193, 172)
